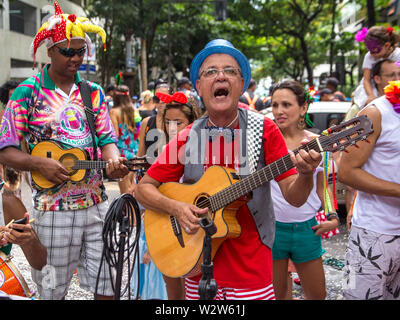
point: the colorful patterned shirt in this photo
(128, 142)
(38, 111)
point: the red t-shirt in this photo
(243, 262)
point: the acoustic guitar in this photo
(223, 191)
(76, 161)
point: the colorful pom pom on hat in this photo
(61, 27)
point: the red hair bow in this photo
(179, 97)
(389, 30)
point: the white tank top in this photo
(379, 213)
(284, 212)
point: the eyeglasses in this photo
(213, 72)
(69, 52)
(392, 75)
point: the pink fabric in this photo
(321, 217)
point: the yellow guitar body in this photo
(49, 149)
(169, 256)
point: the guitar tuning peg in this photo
(365, 139)
(353, 143)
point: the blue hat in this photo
(220, 46)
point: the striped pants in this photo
(266, 293)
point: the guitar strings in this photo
(223, 197)
(92, 164)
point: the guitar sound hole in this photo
(202, 201)
(68, 161)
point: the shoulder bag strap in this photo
(87, 101)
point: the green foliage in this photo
(281, 38)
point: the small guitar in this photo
(178, 254)
(76, 161)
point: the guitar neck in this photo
(89, 164)
(256, 179)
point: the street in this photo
(333, 258)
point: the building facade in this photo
(19, 22)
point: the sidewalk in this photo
(335, 248)
(333, 260)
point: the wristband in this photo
(332, 215)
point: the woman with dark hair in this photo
(6, 90)
(123, 117)
(297, 234)
(154, 126)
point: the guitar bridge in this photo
(177, 231)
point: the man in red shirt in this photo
(242, 265)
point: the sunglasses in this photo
(69, 52)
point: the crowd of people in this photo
(217, 114)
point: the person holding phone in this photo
(20, 232)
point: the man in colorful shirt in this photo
(49, 106)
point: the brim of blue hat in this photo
(203, 54)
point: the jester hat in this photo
(61, 27)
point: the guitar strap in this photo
(87, 102)
(254, 134)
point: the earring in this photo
(301, 124)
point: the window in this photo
(78, 2)
(1, 15)
(334, 119)
(15, 63)
(22, 18)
